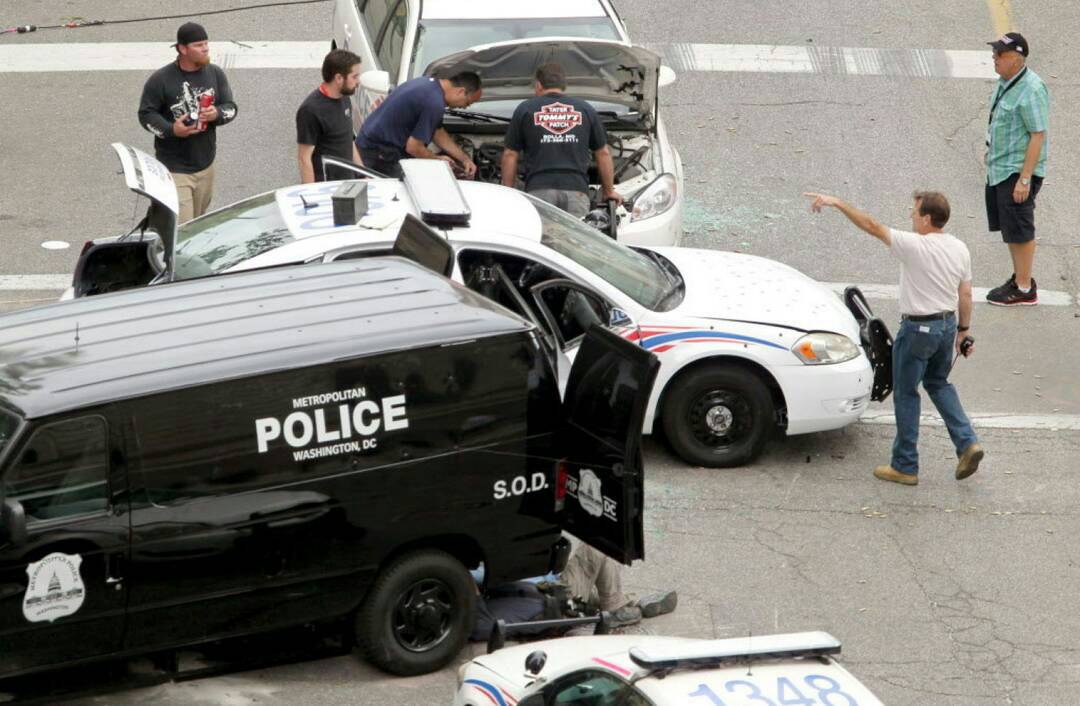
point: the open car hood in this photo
(596, 70)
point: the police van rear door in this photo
(601, 482)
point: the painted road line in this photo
(831, 61)
(841, 61)
(26, 283)
(986, 420)
(1047, 297)
(148, 56)
(1000, 13)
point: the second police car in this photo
(746, 344)
(647, 670)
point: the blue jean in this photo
(923, 352)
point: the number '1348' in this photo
(822, 689)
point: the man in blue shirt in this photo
(410, 118)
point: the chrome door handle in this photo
(109, 580)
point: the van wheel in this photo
(418, 614)
(718, 416)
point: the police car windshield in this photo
(219, 240)
(639, 277)
(438, 38)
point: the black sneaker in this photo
(1012, 296)
(1000, 290)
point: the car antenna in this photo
(306, 204)
(76, 336)
(749, 660)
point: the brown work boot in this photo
(969, 461)
(891, 474)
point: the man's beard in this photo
(348, 91)
(202, 61)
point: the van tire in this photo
(718, 416)
(418, 615)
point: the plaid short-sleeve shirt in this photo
(1022, 110)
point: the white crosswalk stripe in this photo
(1047, 297)
(990, 420)
(755, 58)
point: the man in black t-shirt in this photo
(182, 105)
(324, 120)
(557, 133)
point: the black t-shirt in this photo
(557, 134)
(326, 123)
(171, 93)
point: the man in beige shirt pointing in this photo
(935, 312)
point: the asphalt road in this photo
(948, 593)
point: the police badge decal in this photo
(55, 588)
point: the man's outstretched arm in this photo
(861, 219)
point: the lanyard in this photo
(1002, 92)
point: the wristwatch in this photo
(961, 329)
(1025, 181)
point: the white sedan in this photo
(504, 41)
(746, 344)
(638, 670)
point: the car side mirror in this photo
(376, 81)
(13, 522)
(666, 77)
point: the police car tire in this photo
(374, 630)
(730, 380)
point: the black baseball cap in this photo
(1011, 41)
(191, 32)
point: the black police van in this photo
(237, 454)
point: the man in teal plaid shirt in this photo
(1015, 163)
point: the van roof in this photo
(98, 349)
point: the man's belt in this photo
(942, 315)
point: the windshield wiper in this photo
(478, 117)
(670, 272)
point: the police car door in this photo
(601, 483)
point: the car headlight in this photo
(656, 198)
(824, 348)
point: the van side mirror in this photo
(376, 81)
(13, 522)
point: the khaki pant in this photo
(594, 578)
(194, 192)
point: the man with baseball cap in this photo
(182, 105)
(1015, 163)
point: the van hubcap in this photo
(720, 417)
(422, 615)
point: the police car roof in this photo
(497, 213)
(98, 349)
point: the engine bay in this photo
(630, 152)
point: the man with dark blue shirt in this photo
(410, 118)
(558, 133)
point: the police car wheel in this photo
(718, 416)
(418, 614)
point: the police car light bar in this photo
(799, 644)
(435, 192)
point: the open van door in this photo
(130, 261)
(601, 482)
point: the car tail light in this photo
(560, 485)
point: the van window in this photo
(62, 471)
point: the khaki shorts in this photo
(194, 192)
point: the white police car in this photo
(795, 669)
(504, 41)
(746, 344)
